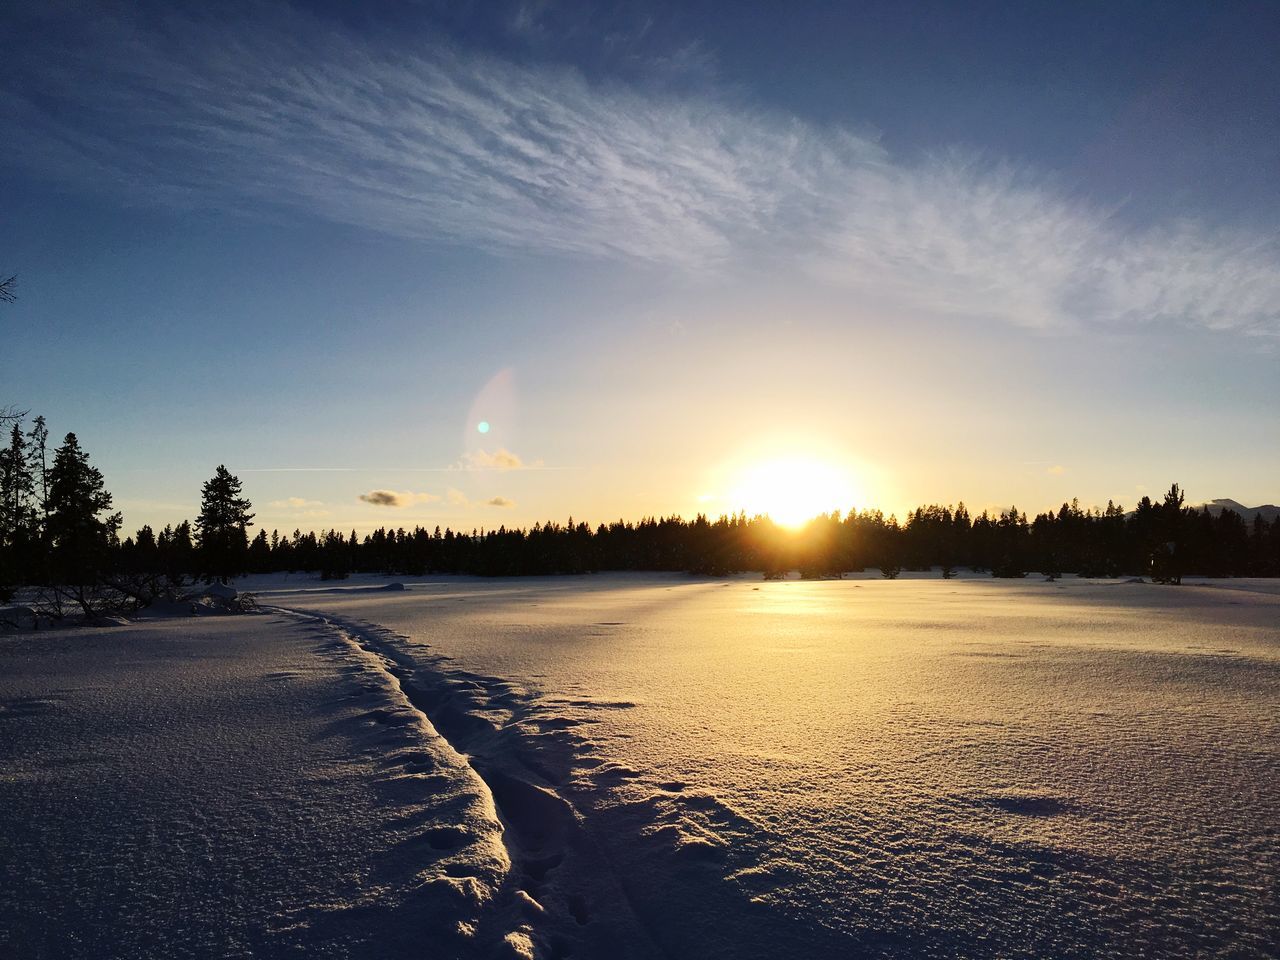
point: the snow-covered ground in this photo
(614, 766)
(230, 787)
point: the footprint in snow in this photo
(447, 838)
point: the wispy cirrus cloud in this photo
(444, 145)
(954, 236)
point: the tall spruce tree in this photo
(78, 536)
(17, 515)
(17, 490)
(39, 458)
(221, 529)
(176, 550)
(1166, 563)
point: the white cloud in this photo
(295, 503)
(453, 496)
(395, 498)
(500, 459)
(443, 145)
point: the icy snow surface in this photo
(910, 768)
(645, 766)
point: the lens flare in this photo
(483, 426)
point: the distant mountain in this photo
(1269, 511)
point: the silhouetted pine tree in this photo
(18, 530)
(1167, 530)
(39, 460)
(142, 552)
(221, 527)
(889, 549)
(1012, 547)
(80, 540)
(334, 560)
(260, 554)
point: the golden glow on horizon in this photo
(793, 490)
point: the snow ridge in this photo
(560, 896)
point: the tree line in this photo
(60, 536)
(1163, 541)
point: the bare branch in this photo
(12, 414)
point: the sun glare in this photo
(793, 491)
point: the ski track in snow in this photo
(560, 896)
(573, 890)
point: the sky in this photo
(474, 264)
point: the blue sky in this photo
(989, 252)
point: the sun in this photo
(793, 491)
